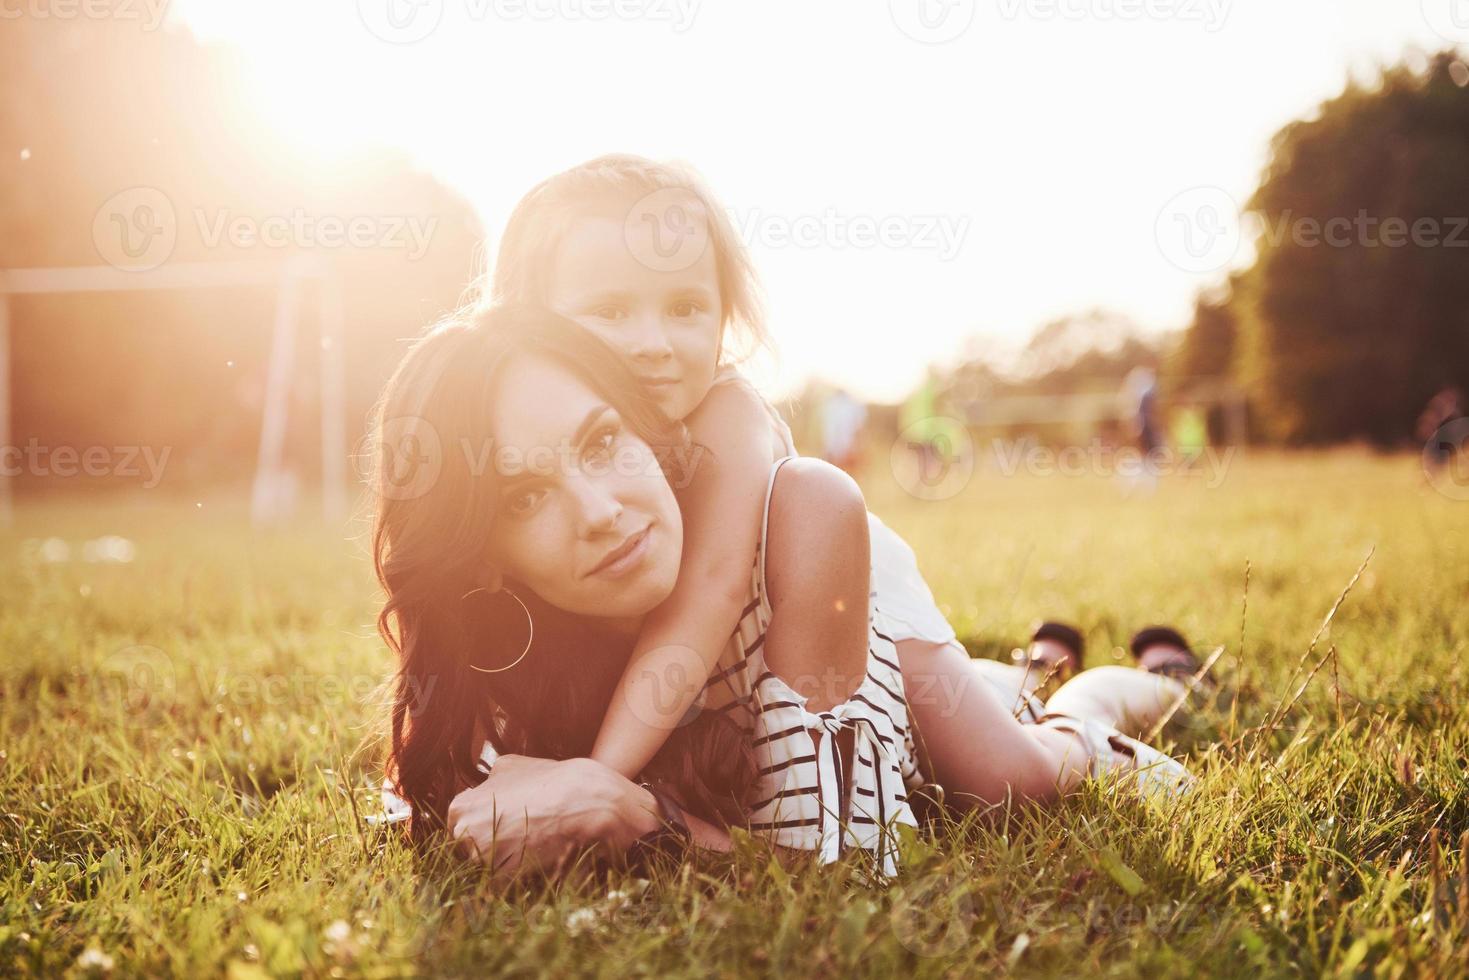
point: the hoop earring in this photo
(530, 623)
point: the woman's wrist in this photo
(646, 818)
(626, 811)
(621, 810)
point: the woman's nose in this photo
(600, 509)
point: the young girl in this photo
(642, 255)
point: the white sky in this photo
(1053, 131)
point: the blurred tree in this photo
(90, 107)
(1207, 348)
(1345, 330)
(1087, 352)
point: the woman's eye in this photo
(607, 313)
(686, 308)
(524, 502)
(600, 445)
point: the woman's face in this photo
(632, 284)
(585, 517)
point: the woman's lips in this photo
(625, 557)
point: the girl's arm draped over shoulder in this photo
(682, 639)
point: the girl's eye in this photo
(685, 308)
(607, 313)
(524, 502)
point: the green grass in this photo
(217, 827)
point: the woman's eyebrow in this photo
(587, 422)
(578, 439)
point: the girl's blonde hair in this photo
(544, 215)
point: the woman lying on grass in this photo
(520, 559)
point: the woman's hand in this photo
(537, 812)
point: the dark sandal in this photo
(1163, 650)
(1060, 665)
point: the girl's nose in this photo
(649, 341)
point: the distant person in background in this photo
(923, 430)
(842, 419)
(1190, 433)
(1143, 385)
(1445, 407)
(1140, 394)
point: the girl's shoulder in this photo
(733, 401)
(729, 374)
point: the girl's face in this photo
(584, 518)
(609, 275)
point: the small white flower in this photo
(94, 959)
(581, 920)
(338, 931)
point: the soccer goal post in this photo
(287, 279)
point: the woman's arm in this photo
(536, 812)
(706, 835)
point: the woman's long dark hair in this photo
(435, 508)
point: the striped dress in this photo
(813, 796)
